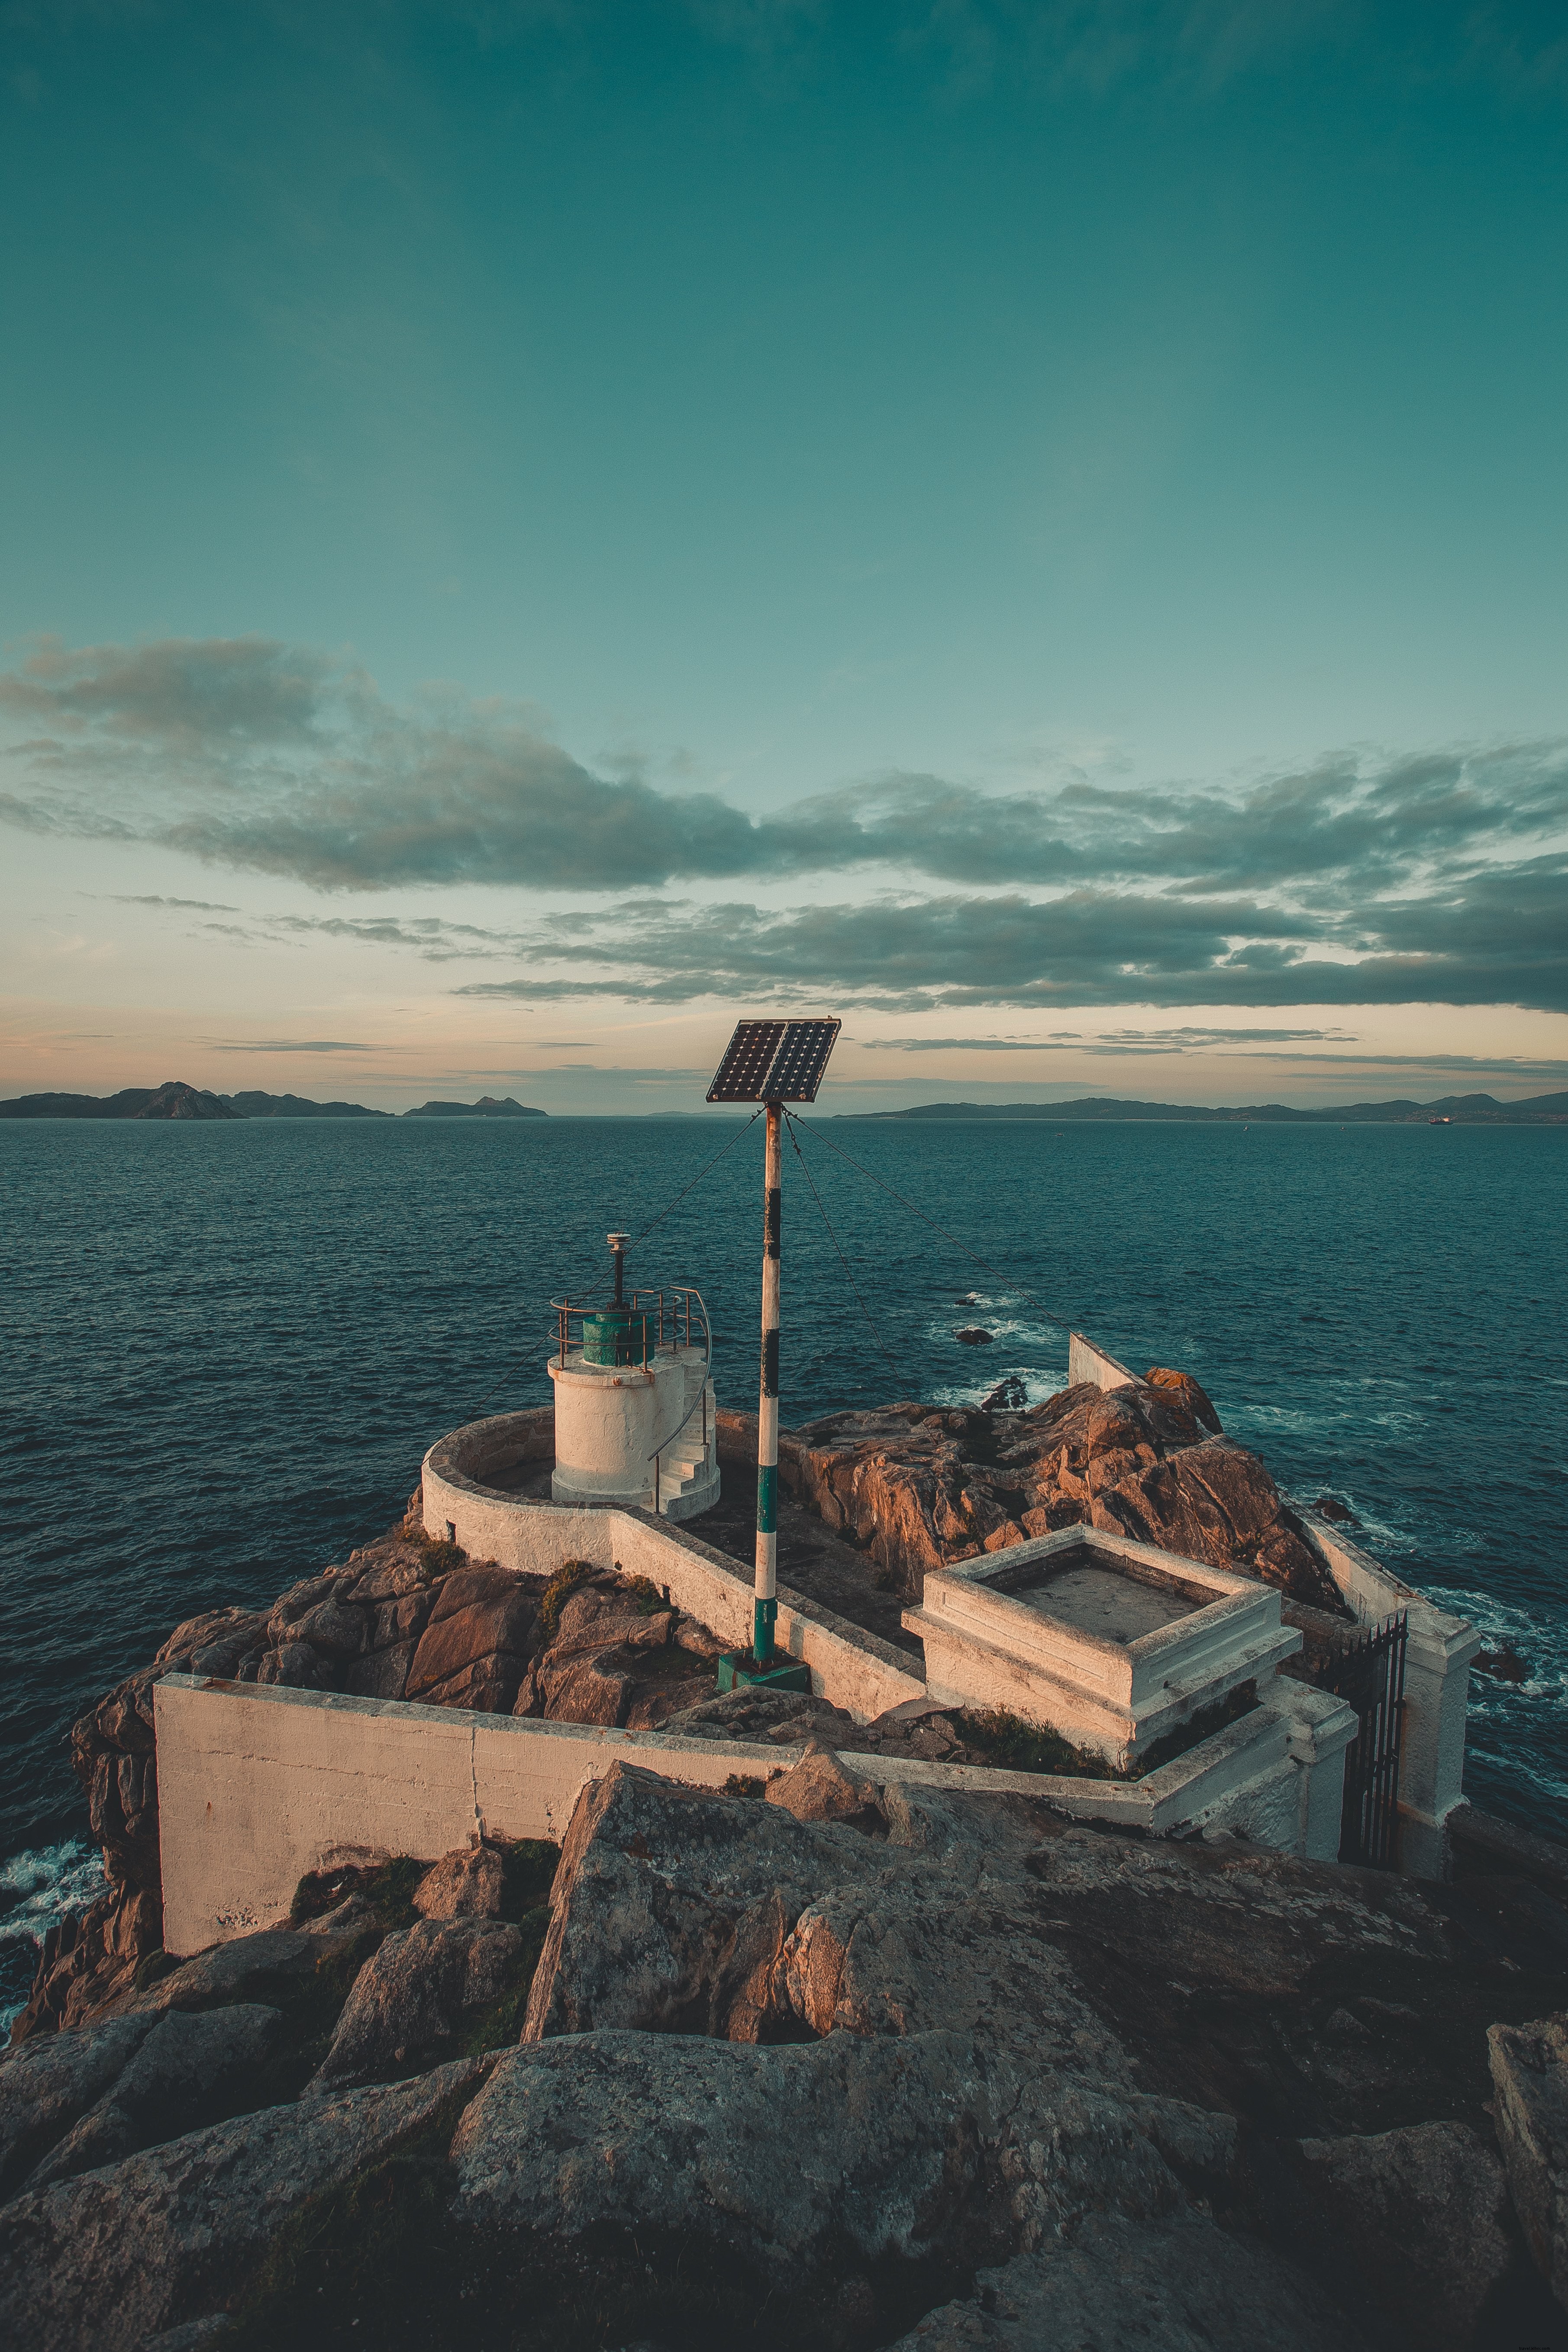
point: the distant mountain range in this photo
(176, 1100)
(1459, 1111)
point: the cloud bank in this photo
(1438, 876)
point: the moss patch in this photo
(562, 1585)
(1012, 1746)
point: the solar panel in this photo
(774, 1061)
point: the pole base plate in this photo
(738, 1670)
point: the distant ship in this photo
(1443, 1121)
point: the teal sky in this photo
(1039, 528)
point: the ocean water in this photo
(226, 1348)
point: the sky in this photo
(532, 530)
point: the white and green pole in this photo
(766, 1610)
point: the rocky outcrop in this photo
(1031, 2083)
(167, 2236)
(1426, 2211)
(417, 1994)
(917, 1488)
(1169, 2284)
(1530, 2068)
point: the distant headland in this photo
(175, 1099)
(1453, 1110)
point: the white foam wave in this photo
(38, 1889)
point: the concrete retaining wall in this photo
(257, 1786)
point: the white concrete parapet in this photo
(853, 1668)
(1085, 1362)
(1437, 1654)
(259, 1785)
(1151, 1639)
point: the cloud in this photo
(296, 1046)
(1503, 940)
(247, 754)
(1113, 1041)
(1433, 875)
(199, 906)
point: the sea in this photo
(226, 1348)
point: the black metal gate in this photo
(1368, 1673)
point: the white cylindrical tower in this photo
(636, 1420)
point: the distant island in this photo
(485, 1107)
(1456, 1110)
(175, 1099)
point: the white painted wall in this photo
(987, 1648)
(257, 1786)
(849, 1666)
(1088, 1362)
(1438, 1650)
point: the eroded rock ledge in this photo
(854, 2066)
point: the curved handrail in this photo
(563, 1311)
(701, 1399)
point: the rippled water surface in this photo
(226, 1348)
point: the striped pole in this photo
(766, 1608)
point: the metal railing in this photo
(701, 1399)
(683, 1301)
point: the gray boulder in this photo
(1424, 2212)
(781, 2155)
(1164, 2285)
(466, 1885)
(423, 1986)
(1529, 2077)
(671, 1908)
(235, 1970)
(177, 2232)
(47, 2085)
(190, 2070)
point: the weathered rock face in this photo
(1530, 2068)
(164, 2237)
(977, 2037)
(416, 1994)
(189, 2070)
(468, 1885)
(917, 1488)
(1426, 2210)
(1175, 2284)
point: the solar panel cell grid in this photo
(774, 1061)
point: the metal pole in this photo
(766, 1607)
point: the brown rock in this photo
(294, 1665)
(466, 1586)
(584, 1688)
(1194, 1398)
(483, 1628)
(241, 1628)
(1240, 1486)
(395, 1621)
(466, 1885)
(335, 1631)
(818, 1788)
(381, 1673)
(291, 1606)
(485, 1686)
